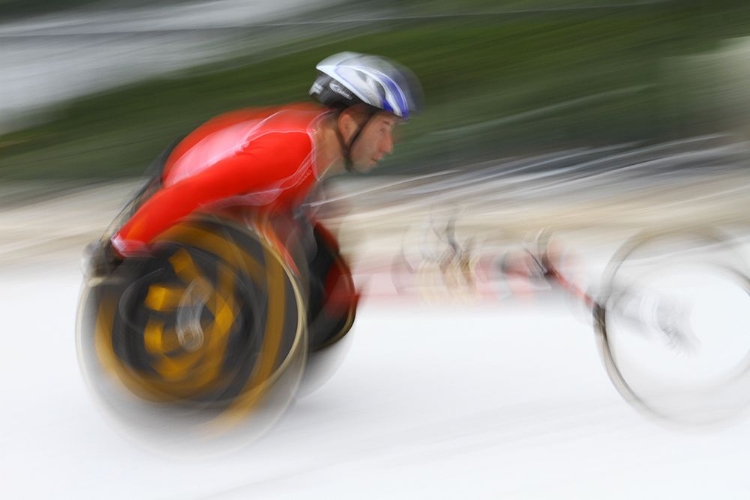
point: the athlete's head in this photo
(372, 94)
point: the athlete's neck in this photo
(329, 159)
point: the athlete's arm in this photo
(266, 162)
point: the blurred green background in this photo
(501, 79)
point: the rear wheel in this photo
(203, 340)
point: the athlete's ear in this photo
(347, 123)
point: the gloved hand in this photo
(100, 259)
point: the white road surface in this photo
(509, 401)
(429, 403)
(506, 399)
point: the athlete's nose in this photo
(387, 146)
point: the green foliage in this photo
(495, 86)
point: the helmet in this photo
(349, 78)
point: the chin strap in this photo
(346, 149)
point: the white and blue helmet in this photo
(349, 78)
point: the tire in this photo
(201, 342)
(673, 325)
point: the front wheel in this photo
(674, 325)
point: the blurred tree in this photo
(12, 9)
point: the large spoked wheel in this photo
(674, 325)
(202, 343)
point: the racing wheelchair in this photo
(208, 336)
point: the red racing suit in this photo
(264, 159)
(261, 158)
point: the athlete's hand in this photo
(100, 259)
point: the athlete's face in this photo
(375, 141)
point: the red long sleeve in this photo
(273, 169)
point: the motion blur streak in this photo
(567, 126)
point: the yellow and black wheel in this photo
(205, 335)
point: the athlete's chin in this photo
(367, 166)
